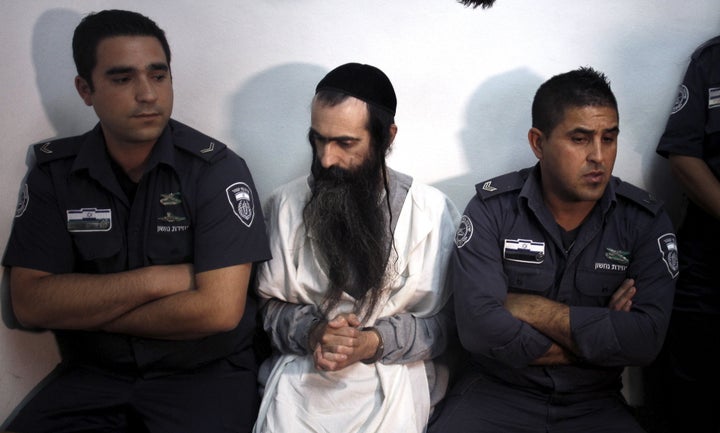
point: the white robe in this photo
(360, 398)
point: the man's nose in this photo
(596, 151)
(329, 154)
(144, 90)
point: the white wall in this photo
(245, 70)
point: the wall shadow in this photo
(54, 76)
(270, 120)
(497, 119)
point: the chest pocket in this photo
(529, 278)
(170, 231)
(713, 122)
(99, 252)
(596, 288)
(170, 244)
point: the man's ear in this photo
(84, 90)
(393, 132)
(536, 140)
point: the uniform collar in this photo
(532, 192)
(94, 157)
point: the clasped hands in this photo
(340, 343)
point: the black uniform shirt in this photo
(693, 129)
(196, 203)
(508, 241)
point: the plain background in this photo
(245, 71)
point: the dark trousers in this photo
(219, 397)
(479, 405)
(682, 385)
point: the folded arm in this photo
(553, 320)
(166, 302)
(84, 301)
(216, 305)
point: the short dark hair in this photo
(378, 124)
(105, 24)
(578, 88)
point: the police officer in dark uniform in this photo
(691, 141)
(563, 275)
(135, 243)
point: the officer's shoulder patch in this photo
(48, 151)
(240, 197)
(639, 196)
(668, 250)
(464, 232)
(500, 185)
(195, 142)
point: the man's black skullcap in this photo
(364, 82)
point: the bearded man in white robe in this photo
(355, 295)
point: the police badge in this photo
(241, 200)
(23, 201)
(681, 99)
(464, 232)
(668, 249)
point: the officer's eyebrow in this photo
(117, 70)
(581, 130)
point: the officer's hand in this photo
(621, 300)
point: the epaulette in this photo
(706, 45)
(502, 184)
(53, 150)
(195, 142)
(639, 196)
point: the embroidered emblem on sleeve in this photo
(464, 232)
(668, 249)
(681, 99)
(89, 220)
(23, 201)
(241, 200)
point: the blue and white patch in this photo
(713, 97)
(23, 201)
(89, 220)
(681, 99)
(524, 251)
(464, 231)
(241, 200)
(669, 252)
